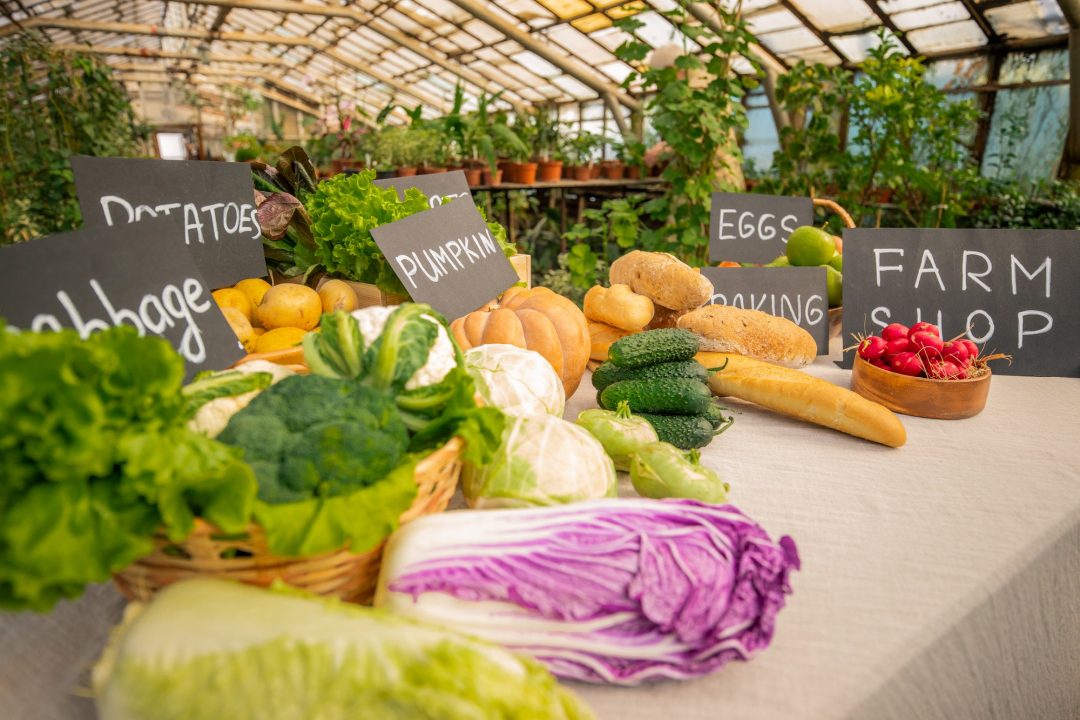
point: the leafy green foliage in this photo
(695, 106)
(1051, 205)
(603, 235)
(885, 133)
(53, 105)
(280, 193)
(95, 457)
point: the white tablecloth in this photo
(939, 580)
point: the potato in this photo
(619, 307)
(279, 338)
(233, 298)
(289, 305)
(240, 325)
(254, 288)
(338, 295)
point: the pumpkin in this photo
(536, 319)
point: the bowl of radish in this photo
(914, 372)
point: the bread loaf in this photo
(752, 333)
(664, 318)
(619, 307)
(662, 278)
(602, 336)
(802, 396)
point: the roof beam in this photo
(118, 28)
(571, 66)
(980, 19)
(822, 37)
(1041, 43)
(341, 59)
(371, 22)
(887, 21)
(168, 54)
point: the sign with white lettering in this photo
(447, 257)
(1010, 291)
(798, 294)
(93, 279)
(436, 186)
(215, 201)
(754, 228)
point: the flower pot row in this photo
(522, 173)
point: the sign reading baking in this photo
(754, 228)
(447, 257)
(437, 187)
(214, 200)
(798, 294)
(93, 279)
(1010, 291)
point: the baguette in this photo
(602, 336)
(618, 306)
(802, 396)
(662, 278)
(752, 333)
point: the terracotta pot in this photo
(594, 171)
(406, 171)
(633, 172)
(612, 169)
(568, 171)
(454, 168)
(549, 171)
(583, 172)
(509, 171)
(503, 164)
(473, 176)
(526, 173)
(491, 179)
(430, 170)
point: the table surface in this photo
(939, 580)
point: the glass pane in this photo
(1027, 133)
(573, 88)
(567, 8)
(627, 10)
(760, 140)
(591, 23)
(836, 14)
(963, 72)
(617, 71)
(935, 15)
(1028, 20)
(1046, 65)
(579, 45)
(611, 38)
(657, 31)
(953, 36)
(790, 41)
(536, 64)
(779, 19)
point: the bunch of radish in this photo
(919, 351)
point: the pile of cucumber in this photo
(655, 372)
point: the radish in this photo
(973, 350)
(872, 348)
(957, 352)
(924, 327)
(877, 362)
(927, 345)
(894, 331)
(896, 345)
(944, 370)
(906, 363)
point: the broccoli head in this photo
(310, 436)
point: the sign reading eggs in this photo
(754, 228)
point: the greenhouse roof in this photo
(534, 51)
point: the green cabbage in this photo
(214, 649)
(519, 382)
(543, 460)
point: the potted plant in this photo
(581, 147)
(521, 168)
(547, 138)
(616, 168)
(429, 150)
(633, 155)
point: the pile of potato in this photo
(269, 317)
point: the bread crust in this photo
(752, 333)
(662, 278)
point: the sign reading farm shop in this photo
(1010, 291)
(447, 257)
(93, 279)
(437, 187)
(754, 228)
(798, 294)
(214, 200)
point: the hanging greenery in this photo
(53, 105)
(695, 107)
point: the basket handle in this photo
(835, 207)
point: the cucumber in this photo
(653, 347)
(715, 415)
(666, 396)
(609, 374)
(685, 432)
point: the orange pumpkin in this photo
(536, 319)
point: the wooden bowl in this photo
(921, 397)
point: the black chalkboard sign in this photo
(215, 201)
(93, 279)
(796, 293)
(436, 186)
(447, 258)
(1011, 291)
(754, 228)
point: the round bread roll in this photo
(662, 278)
(752, 333)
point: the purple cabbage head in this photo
(612, 591)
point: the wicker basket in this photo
(245, 557)
(836, 315)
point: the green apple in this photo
(809, 246)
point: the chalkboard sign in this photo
(754, 228)
(796, 293)
(215, 201)
(93, 279)
(447, 258)
(436, 186)
(1011, 291)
